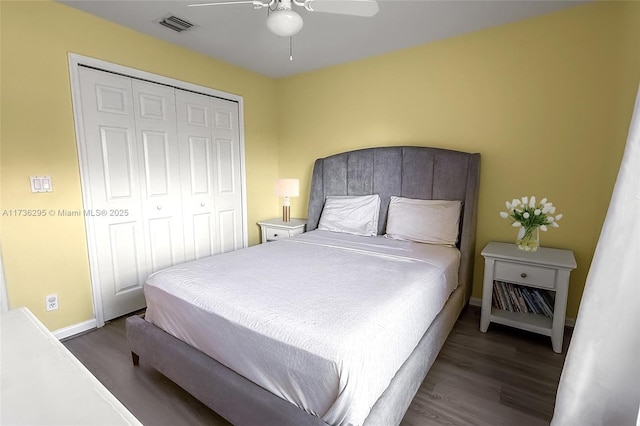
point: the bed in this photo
(327, 327)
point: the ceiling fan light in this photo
(284, 23)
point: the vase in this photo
(528, 238)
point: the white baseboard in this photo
(476, 301)
(72, 330)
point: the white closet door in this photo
(210, 169)
(163, 181)
(110, 144)
(155, 118)
(228, 187)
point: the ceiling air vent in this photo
(176, 24)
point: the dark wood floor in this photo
(503, 377)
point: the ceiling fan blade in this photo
(218, 3)
(366, 8)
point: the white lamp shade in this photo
(287, 188)
(284, 22)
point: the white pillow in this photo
(424, 221)
(351, 214)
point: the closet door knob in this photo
(523, 275)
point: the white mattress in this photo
(323, 320)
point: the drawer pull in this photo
(523, 275)
(275, 235)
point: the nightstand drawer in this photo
(525, 274)
(273, 234)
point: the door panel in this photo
(116, 145)
(228, 225)
(155, 117)
(197, 114)
(200, 170)
(112, 100)
(114, 184)
(196, 161)
(125, 256)
(223, 120)
(225, 166)
(202, 244)
(160, 232)
(151, 106)
(228, 188)
(156, 158)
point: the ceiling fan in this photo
(286, 22)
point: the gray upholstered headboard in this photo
(406, 171)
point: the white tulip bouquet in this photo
(528, 215)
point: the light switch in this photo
(41, 184)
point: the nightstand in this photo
(508, 270)
(276, 229)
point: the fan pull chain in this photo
(291, 48)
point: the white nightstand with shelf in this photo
(277, 229)
(546, 269)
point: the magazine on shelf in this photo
(518, 298)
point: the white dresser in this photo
(42, 383)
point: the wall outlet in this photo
(51, 302)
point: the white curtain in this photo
(600, 383)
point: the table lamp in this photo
(287, 188)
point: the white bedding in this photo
(323, 320)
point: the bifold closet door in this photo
(164, 173)
(209, 143)
(114, 187)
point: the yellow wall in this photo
(49, 255)
(546, 101)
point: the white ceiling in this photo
(237, 34)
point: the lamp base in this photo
(286, 213)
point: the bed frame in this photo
(413, 172)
